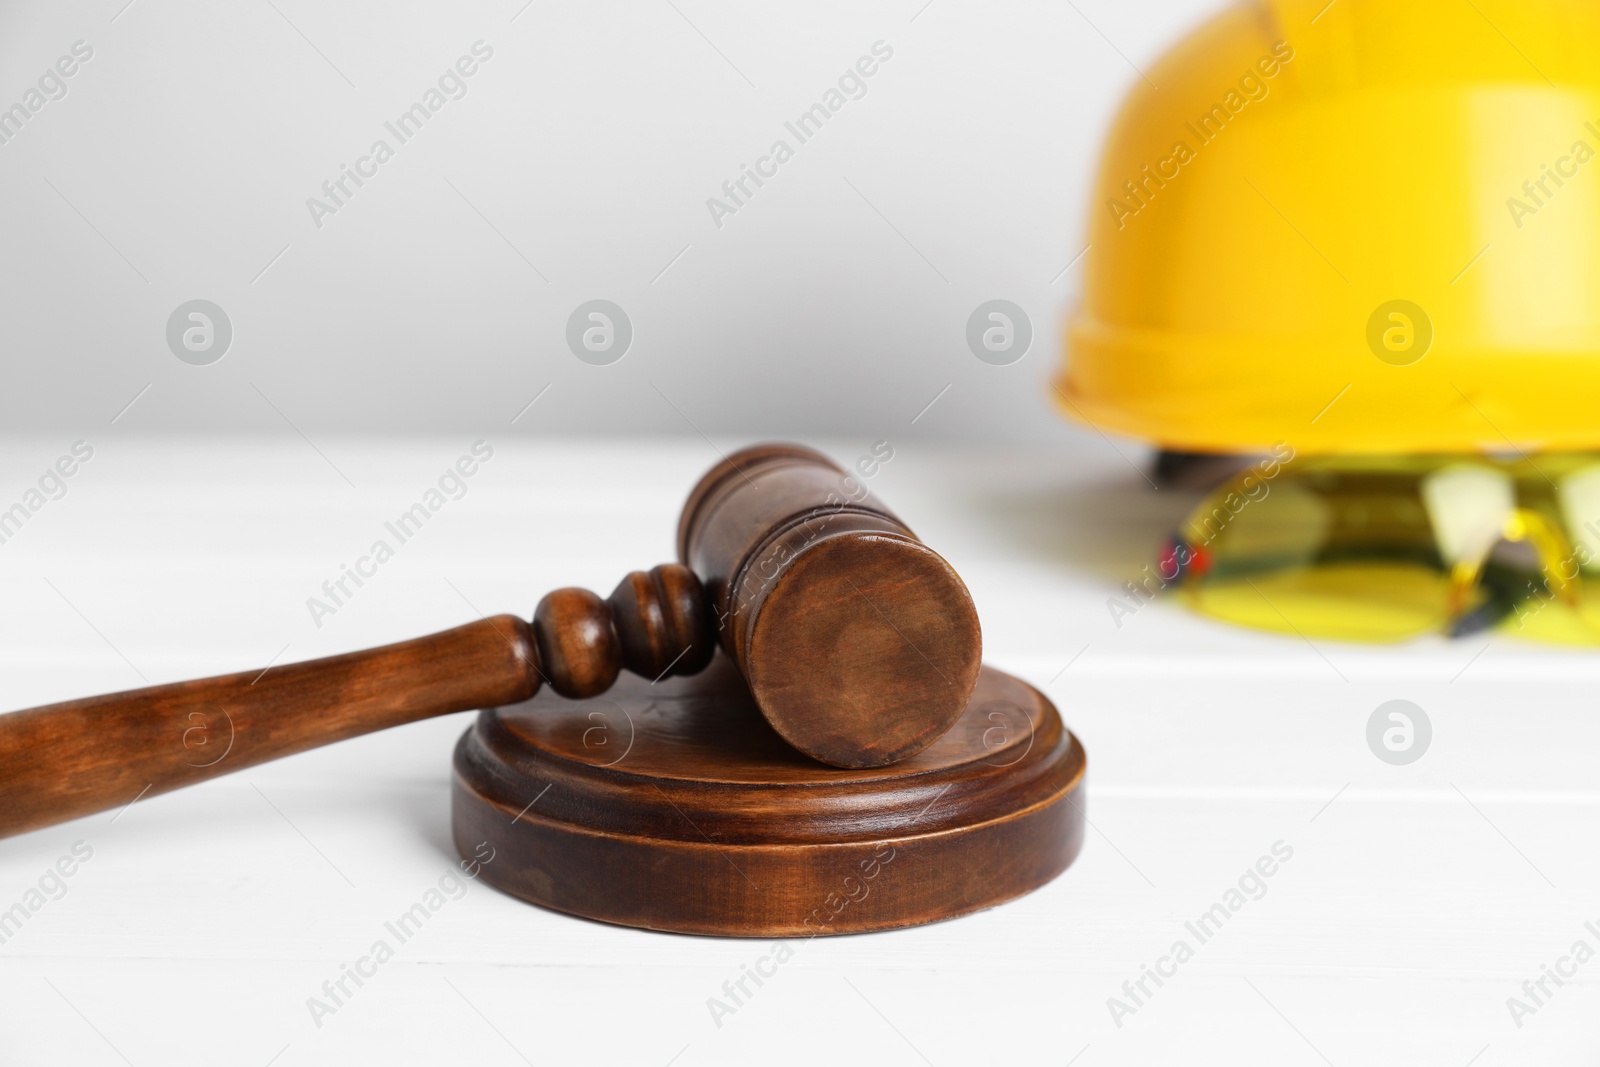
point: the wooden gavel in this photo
(859, 643)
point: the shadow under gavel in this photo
(859, 643)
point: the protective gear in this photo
(1388, 548)
(1357, 227)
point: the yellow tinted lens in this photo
(1555, 623)
(1556, 620)
(1323, 554)
(1345, 601)
(1386, 549)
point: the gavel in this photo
(860, 645)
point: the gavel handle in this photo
(63, 761)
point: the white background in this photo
(371, 353)
(179, 164)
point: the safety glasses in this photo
(1385, 549)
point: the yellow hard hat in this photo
(1357, 226)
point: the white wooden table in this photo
(1417, 900)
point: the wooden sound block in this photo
(675, 806)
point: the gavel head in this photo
(859, 643)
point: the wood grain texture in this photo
(653, 623)
(860, 643)
(65, 760)
(577, 644)
(676, 807)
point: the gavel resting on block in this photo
(857, 644)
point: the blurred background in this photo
(574, 164)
